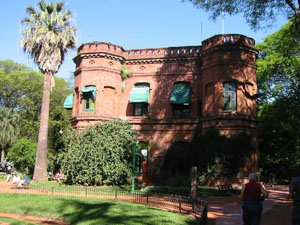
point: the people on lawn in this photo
(58, 177)
(8, 173)
(23, 182)
(16, 179)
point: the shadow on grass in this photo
(111, 213)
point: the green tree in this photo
(47, 35)
(257, 13)
(278, 70)
(21, 89)
(101, 154)
(22, 154)
(278, 66)
(9, 128)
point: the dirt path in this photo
(40, 220)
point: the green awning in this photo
(89, 89)
(180, 93)
(139, 94)
(68, 104)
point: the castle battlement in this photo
(226, 40)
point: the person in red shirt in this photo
(252, 196)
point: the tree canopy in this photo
(278, 71)
(278, 66)
(258, 14)
(9, 128)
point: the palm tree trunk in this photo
(2, 153)
(40, 169)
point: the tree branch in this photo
(291, 4)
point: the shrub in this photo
(101, 154)
(22, 154)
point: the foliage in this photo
(279, 78)
(280, 141)
(257, 13)
(124, 74)
(4, 164)
(48, 33)
(278, 66)
(101, 154)
(89, 211)
(9, 128)
(21, 90)
(215, 155)
(22, 154)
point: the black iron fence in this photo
(178, 204)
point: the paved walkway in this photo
(228, 210)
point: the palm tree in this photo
(9, 129)
(48, 33)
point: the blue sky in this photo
(129, 23)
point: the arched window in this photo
(229, 96)
(139, 98)
(180, 99)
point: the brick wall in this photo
(220, 59)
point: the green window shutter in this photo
(180, 93)
(140, 94)
(68, 104)
(229, 97)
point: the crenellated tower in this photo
(229, 87)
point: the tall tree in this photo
(278, 70)
(48, 34)
(257, 13)
(9, 128)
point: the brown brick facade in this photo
(220, 59)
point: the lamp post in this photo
(134, 135)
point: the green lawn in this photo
(15, 221)
(89, 211)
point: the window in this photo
(89, 102)
(229, 96)
(181, 110)
(139, 98)
(180, 99)
(140, 109)
(89, 95)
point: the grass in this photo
(89, 211)
(15, 221)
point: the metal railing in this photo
(173, 203)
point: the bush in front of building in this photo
(101, 154)
(214, 155)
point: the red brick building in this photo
(171, 92)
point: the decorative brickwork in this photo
(221, 59)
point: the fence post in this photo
(85, 191)
(179, 200)
(116, 194)
(147, 197)
(52, 190)
(194, 182)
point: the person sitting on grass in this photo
(58, 177)
(25, 181)
(16, 179)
